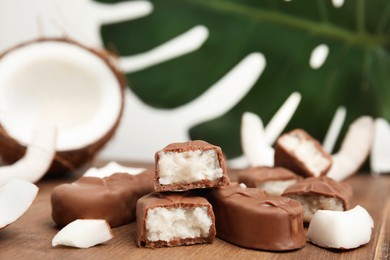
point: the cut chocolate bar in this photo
(189, 165)
(302, 154)
(174, 219)
(320, 193)
(112, 198)
(252, 218)
(272, 180)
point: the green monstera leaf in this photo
(356, 73)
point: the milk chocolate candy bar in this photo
(272, 180)
(189, 165)
(174, 219)
(302, 154)
(320, 193)
(252, 218)
(112, 198)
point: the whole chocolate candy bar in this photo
(174, 219)
(320, 193)
(302, 154)
(272, 180)
(252, 218)
(112, 198)
(189, 165)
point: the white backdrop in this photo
(143, 129)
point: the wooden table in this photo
(30, 237)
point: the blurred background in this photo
(354, 71)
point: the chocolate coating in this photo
(111, 198)
(185, 147)
(289, 160)
(323, 186)
(171, 200)
(252, 218)
(255, 176)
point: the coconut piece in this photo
(111, 168)
(37, 159)
(257, 151)
(379, 159)
(256, 141)
(83, 233)
(318, 193)
(189, 165)
(354, 150)
(341, 230)
(281, 118)
(302, 154)
(60, 83)
(272, 180)
(16, 196)
(334, 129)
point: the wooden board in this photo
(30, 237)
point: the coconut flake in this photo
(16, 196)
(341, 229)
(83, 233)
(380, 154)
(111, 168)
(37, 159)
(253, 142)
(281, 118)
(354, 150)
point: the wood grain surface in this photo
(30, 237)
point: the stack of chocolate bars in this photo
(194, 201)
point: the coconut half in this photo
(61, 83)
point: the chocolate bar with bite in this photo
(174, 219)
(252, 218)
(189, 165)
(112, 198)
(302, 154)
(272, 180)
(320, 193)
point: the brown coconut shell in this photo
(65, 161)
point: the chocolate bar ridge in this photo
(252, 218)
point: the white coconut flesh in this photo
(37, 159)
(341, 229)
(83, 233)
(61, 84)
(16, 196)
(110, 169)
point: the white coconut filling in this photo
(312, 203)
(276, 187)
(306, 152)
(60, 84)
(166, 224)
(188, 166)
